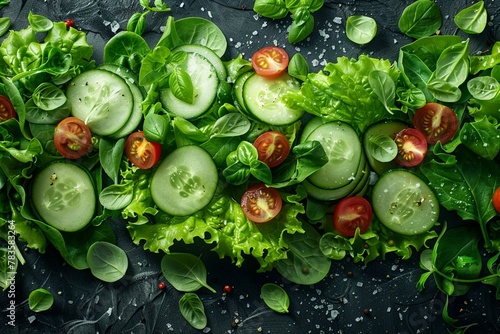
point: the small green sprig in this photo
(301, 14)
(137, 22)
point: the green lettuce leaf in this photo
(223, 223)
(342, 92)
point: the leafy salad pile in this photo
(39, 61)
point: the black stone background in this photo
(386, 288)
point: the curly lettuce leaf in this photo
(223, 223)
(342, 92)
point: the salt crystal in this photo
(335, 314)
(206, 330)
(31, 318)
(337, 20)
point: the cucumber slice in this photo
(185, 181)
(338, 193)
(210, 55)
(343, 148)
(238, 91)
(205, 83)
(263, 99)
(63, 195)
(310, 126)
(404, 203)
(101, 99)
(136, 116)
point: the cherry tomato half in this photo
(260, 204)
(350, 213)
(7, 110)
(142, 153)
(412, 147)
(270, 62)
(436, 122)
(72, 138)
(273, 148)
(496, 200)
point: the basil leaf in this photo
(117, 196)
(275, 297)
(273, 9)
(298, 67)
(5, 23)
(181, 85)
(385, 88)
(483, 87)
(39, 23)
(230, 125)
(302, 25)
(382, 148)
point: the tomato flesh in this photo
(72, 138)
(436, 122)
(270, 62)
(351, 213)
(496, 200)
(7, 110)
(412, 147)
(142, 153)
(273, 147)
(260, 204)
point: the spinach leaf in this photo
(481, 137)
(40, 300)
(473, 19)
(275, 297)
(116, 196)
(382, 148)
(230, 125)
(48, 96)
(483, 87)
(197, 30)
(107, 261)
(456, 254)
(185, 272)
(360, 29)
(305, 264)
(192, 310)
(460, 185)
(126, 49)
(452, 65)
(420, 19)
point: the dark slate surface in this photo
(378, 298)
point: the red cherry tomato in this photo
(270, 62)
(496, 200)
(260, 204)
(72, 138)
(7, 110)
(412, 147)
(227, 289)
(350, 213)
(70, 23)
(142, 153)
(273, 148)
(436, 122)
